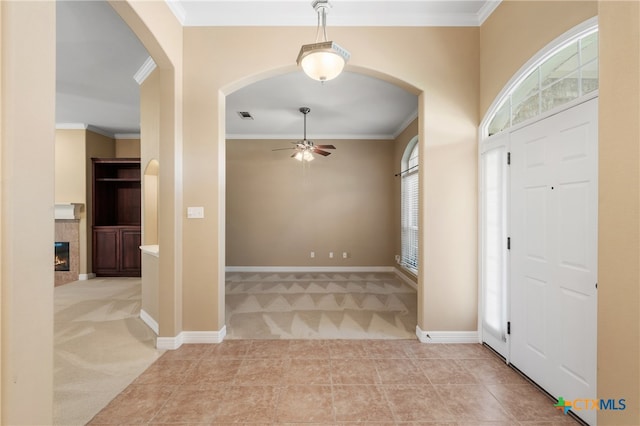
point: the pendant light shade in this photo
(323, 60)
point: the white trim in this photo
(151, 249)
(86, 277)
(416, 13)
(557, 44)
(169, 343)
(316, 137)
(71, 126)
(447, 336)
(67, 210)
(487, 9)
(84, 126)
(94, 129)
(186, 337)
(405, 278)
(301, 269)
(119, 136)
(205, 336)
(178, 10)
(145, 70)
(405, 124)
(147, 319)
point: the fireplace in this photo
(61, 260)
(67, 243)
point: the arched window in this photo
(409, 214)
(562, 74)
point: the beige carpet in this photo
(100, 345)
(319, 306)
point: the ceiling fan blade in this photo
(325, 146)
(281, 149)
(321, 152)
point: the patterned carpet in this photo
(100, 345)
(319, 306)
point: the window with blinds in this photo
(409, 214)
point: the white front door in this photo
(553, 211)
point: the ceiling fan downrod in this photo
(305, 111)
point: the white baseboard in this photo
(185, 337)
(300, 269)
(447, 336)
(405, 278)
(147, 319)
(85, 277)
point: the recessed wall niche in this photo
(150, 195)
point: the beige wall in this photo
(70, 171)
(279, 209)
(619, 171)
(27, 66)
(220, 60)
(127, 148)
(149, 158)
(162, 36)
(73, 179)
(530, 26)
(150, 151)
(619, 211)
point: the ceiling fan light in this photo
(298, 156)
(308, 156)
(322, 61)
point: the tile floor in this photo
(330, 382)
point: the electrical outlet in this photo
(397, 258)
(330, 255)
(312, 254)
(345, 254)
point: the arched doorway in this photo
(325, 224)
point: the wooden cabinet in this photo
(116, 216)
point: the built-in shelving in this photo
(116, 215)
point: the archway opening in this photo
(297, 221)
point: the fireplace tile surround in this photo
(67, 230)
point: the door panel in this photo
(554, 253)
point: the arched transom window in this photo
(567, 73)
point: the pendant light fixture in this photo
(322, 60)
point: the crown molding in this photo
(412, 13)
(486, 11)
(83, 126)
(144, 71)
(94, 129)
(71, 126)
(119, 136)
(178, 10)
(316, 137)
(406, 123)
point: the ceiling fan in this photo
(306, 148)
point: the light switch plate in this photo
(195, 212)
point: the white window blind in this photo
(409, 220)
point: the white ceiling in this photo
(98, 55)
